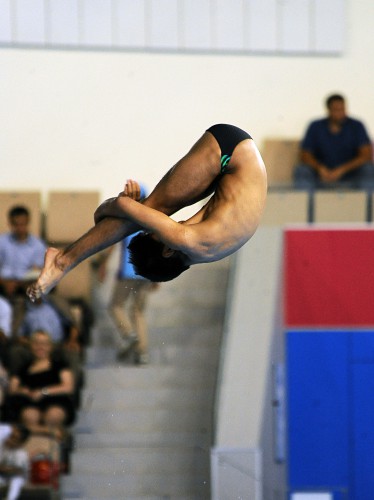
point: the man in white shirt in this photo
(14, 460)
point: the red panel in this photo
(329, 277)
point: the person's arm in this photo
(57, 433)
(364, 155)
(72, 342)
(322, 170)
(11, 470)
(166, 229)
(15, 387)
(308, 147)
(3, 338)
(107, 209)
(111, 208)
(65, 387)
(309, 159)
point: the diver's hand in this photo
(131, 190)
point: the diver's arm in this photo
(166, 229)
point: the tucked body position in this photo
(224, 164)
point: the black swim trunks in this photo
(228, 137)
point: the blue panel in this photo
(363, 346)
(318, 432)
(363, 431)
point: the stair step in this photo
(192, 316)
(150, 376)
(140, 420)
(122, 485)
(184, 336)
(119, 399)
(140, 460)
(164, 355)
(145, 437)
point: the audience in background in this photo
(41, 351)
(14, 460)
(41, 393)
(335, 152)
(47, 315)
(21, 256)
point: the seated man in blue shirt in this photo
(335, 152)
(21, 253)
(21, 257)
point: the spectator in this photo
(41, 393)
(335, 152)
(127, 308)
(21, 256)
(6, 315)
(45, 314)
(128, 303)
(14, 460)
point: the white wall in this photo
(244, 421)
(253, 317)
(89, 120)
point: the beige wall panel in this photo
(285, 207)
(280, 157)
(340, 206)
(70, 214)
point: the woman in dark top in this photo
(41, 393)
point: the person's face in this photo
(336, 111)
(41, 346)
(19, 226)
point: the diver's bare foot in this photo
(49, 276)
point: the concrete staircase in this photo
(145, 432)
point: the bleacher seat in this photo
(285, 207)
(340, 206)
(280, 157)
(69, 214)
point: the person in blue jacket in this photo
(128, 303)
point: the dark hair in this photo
(332, 98)
(148, 261)
(18, 210)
